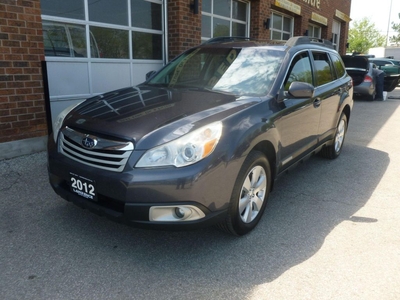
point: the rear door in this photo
(328, 91)
(390, 82)
(392, 76)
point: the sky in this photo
(378, 12)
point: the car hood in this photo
(355, 62)
(135, 112)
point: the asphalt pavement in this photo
(331, 231)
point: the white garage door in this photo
(95, 46)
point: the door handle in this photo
(317, 102)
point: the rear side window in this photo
(323, 68)
(337, 62)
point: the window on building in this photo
(281, 27)
(336, 34)
(112, 43)
(224, 18)
(314, 31)
(67, 40)
(74, 9)
(145, 14)
(117, 29)
(146, 45)
(113, 12)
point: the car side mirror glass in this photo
(150, 74)
(301, 90)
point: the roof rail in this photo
(221, 39)
(301, 40)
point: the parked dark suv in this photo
(201, 142)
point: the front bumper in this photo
(127, 197)
(364, 89)
(135, 214)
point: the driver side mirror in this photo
(150, 74)
(299, 89)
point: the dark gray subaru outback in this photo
(201, 141)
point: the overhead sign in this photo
(290, 6)
(342, 16)
(319, 19)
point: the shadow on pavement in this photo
(368, 117)
(68, 244)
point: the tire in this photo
(334, 150)
(249, 195)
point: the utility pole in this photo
(390, 12)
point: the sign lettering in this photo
(314, 3)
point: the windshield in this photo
(243, 72)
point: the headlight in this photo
(185, 150)
(60, 119)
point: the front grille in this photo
(107, 154)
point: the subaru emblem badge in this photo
(89, 142)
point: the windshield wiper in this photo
(156, 84)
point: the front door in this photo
(299, 120)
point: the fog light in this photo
(175, 213)
(180, 212)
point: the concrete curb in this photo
(22, 147)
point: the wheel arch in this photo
(268, 149)
(347, 111)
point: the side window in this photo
(300, 70)
(323, 68)
(379, 63)
(337, 62)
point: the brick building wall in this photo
(184, 27)
(328, 10)
(22, 106)
(260, 10)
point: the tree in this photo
(364, 35)
(395, 39)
